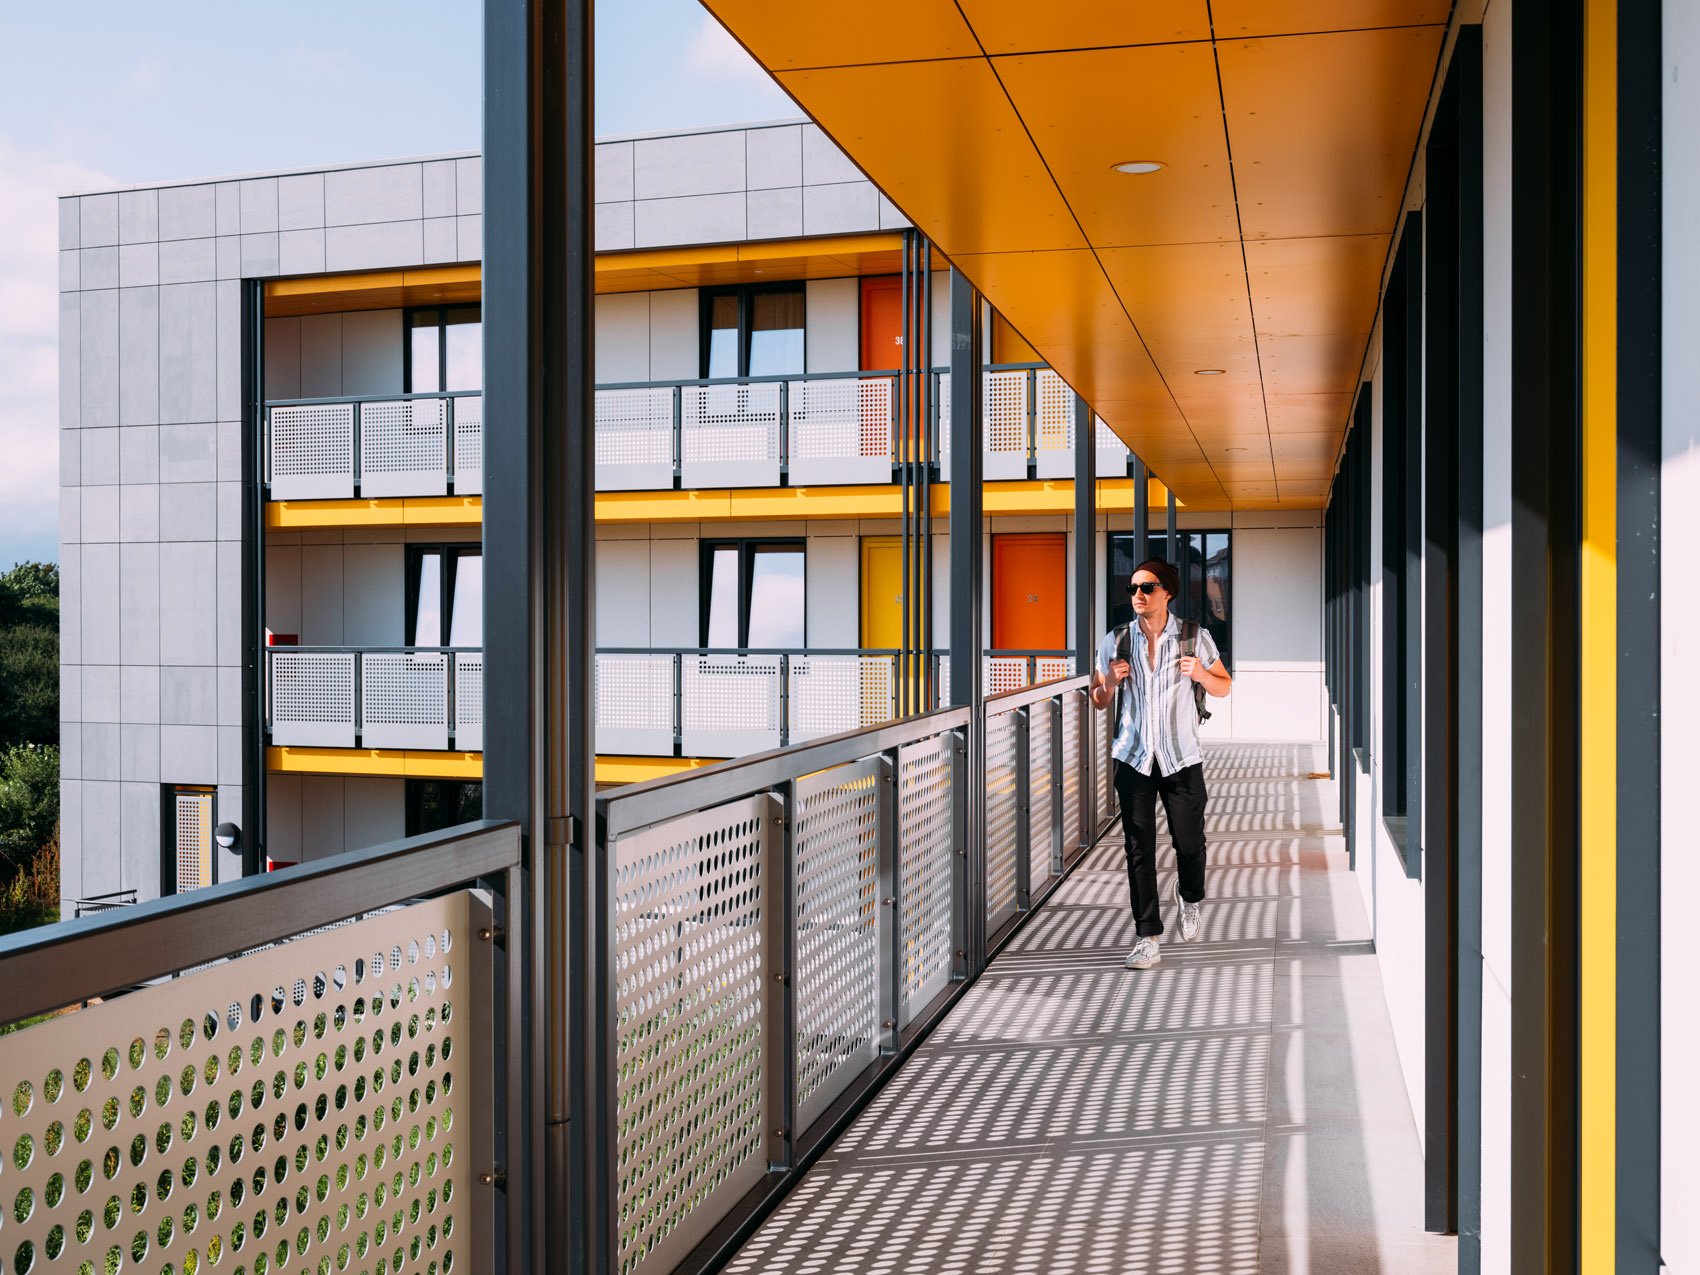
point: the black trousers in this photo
(1183, 802)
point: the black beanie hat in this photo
(1166, 575)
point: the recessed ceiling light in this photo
(1137, 166)
(1211, 371)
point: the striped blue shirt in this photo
(1159, 718)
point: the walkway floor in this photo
(1237, 1109)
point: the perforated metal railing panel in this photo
(1040, 798)
(691, 898)
(634, 702)
(1054, 426)
(830, 694)
(634, 434)
(468, 412)
(840, 418)
(1004, 420)
(1104, 763)
(1000, 819)
(310, 451)
(193, 825)
(403, 447)
(308, 1107)
(1004, 673)
(1052, 668)
(926, 855)
(1073, 704)
(729, 434)
(404, 700)
(835, 873)
(469, 700)
(312, 697)
(730, 704)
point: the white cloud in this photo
(714, 54)
(29, 340)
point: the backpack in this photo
(1124, 651)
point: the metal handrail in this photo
(1022, 696)
(93, 956)
(339, 399)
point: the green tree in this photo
(29, 655)
(29, 803)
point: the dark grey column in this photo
(1170, 551)
(967, 573)
(539, 534)
(1141, 511)
(1085, 536)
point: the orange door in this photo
(1029, 592)
(882, 324)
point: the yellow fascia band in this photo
(396, 763)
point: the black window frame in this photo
(414, 798)
(746, 294)
(747, 549)
(1401, 548)
(453, 551)
(407, 327)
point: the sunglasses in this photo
(1147, 587)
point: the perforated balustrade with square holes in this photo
(302, 1108)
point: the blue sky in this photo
(110, 93)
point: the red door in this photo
(1029, 592)
(882, 324)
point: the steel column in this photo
(539, 538)
(254, 673)
(1170, 550)
(1141, 511)
(967, 570)
(1086, 577)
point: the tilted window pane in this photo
(776, 598)
(427, 627)
(723, 599)
(466, 617)
(423, 356)
(463, 340)
(723, 337)
(776, 333)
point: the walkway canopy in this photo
(1214, 311)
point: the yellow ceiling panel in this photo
(1019, 26)
(1239, 18)
(1315, 285)
(1089, 111)
(970, 174)
(1301, 414)
(1323, 127)
(785, 37)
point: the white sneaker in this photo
(1146, 953)
(1189, 919)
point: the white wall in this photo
(323, 355)
(833, 580)
(343, 587)
(832, 315)
(314, 816)
(1679, 550)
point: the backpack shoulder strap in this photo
(1189, 633)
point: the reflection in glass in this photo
(463, 349)
(776, 598)
(723, 337)
(427, 629)
(723, 598)
(466, 614)
(424, 354)
(776, 333)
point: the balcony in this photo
(830, 429)
(397, 445)
(700, 702)
(399, 697)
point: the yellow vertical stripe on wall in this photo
(1598, 1036)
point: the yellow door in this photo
(882, 592)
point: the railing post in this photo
(784, 429)
(784, 701)
(449, 404)
(1023, 812)
(354, 442)
(678, 705)
(1082, 725)
(1059, 723)
(779, 1002)
(960, 884)
(1032, 420)
(678, 433)
(888, 917)
(359, 707)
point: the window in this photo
(435, 804)
(1205, 562)
(445, 596)
(752, 594)
(752, 331)
(445, 349)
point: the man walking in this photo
(1148, 670)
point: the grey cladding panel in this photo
(301, 201)
(358, 196)
(187, 212)
(188, 336)
(138, 216)
(694, 164)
